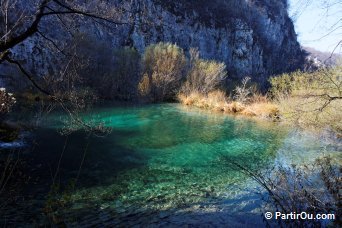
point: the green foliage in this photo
(164, 64)
(310, 99)
(323, 81)
(281, 85)
(285, 84)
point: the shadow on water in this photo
(203, 214)
(103, 156)
(161, 164)
(37, 166)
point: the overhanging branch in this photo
(32, 29)
(28, 76)
(52, 42)
(41, 13)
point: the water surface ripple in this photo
(162, 165)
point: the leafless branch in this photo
(28, 76)
(52, 42)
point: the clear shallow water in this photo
(162, 165)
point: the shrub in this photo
(285, 84)
(311, 187)
(310, 99)
(243, 92)
(93, 64)
(164, 64)
(204, 76)
(120, 79)
(144, 86)
(257, 97)
(112, 73)
(190, 99)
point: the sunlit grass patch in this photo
(218, 101)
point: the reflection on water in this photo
(161, 164)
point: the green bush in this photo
(310, 99)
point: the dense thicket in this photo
(310, 99)
(123, 74)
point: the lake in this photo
(161, 165)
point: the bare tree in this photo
(331, 9)
(20, 20)
(243, 92)
(312, 188)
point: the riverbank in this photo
(258, 106)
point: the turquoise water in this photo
(162, 165)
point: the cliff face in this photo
(253, 37)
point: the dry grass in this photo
(214, 100)
(262, 109)
(234, 107)
(217, 101)
(259, 98)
